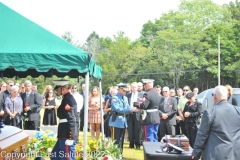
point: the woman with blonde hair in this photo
(47, 89)
(94, 114)
(231, 99)
(3, 87)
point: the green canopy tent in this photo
(28, 49)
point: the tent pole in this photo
(85, 129)
(101, 106)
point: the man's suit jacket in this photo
(139, 99)
(219, 132)
(34, 101)
(171, 110)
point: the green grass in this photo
(132, 154)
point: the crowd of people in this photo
(144, 111)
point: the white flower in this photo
(49, 150)
(25, 114)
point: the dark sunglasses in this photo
(185, 90)
(11, 85)
(164, 91)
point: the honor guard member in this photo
(118, 121)
(150, 112)
(64, 149)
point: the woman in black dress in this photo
(192, 112)
(49, 104)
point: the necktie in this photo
(165, 103)
(27, 93)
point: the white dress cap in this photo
(147, 80)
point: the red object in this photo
(26, 105)
(67, 107)
(105, 158)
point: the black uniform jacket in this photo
(67, 130)
(195, 111)
(151, 102)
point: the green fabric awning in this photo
(28, 49)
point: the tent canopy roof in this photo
(28, 49)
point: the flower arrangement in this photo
(99, 150)
(42, 143)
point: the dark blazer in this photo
(195, 111)
(67, 130)
(34, 101)
(3, 96)
(171, 110)
(219, 132)
(151, 102)
(129, 96)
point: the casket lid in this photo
(10, 135)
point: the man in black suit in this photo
(32, 104)
(167, 113)
(135, 129)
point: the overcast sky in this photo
(105, 17)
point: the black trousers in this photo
(82, 120)
(183, 129)
(135, 131)
(32, 125)
(177, 128)
(118, 136)
(191, 133)
(166, 129)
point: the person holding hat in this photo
(149, 105)
(191, 113)
(118, 121)
(67, 127)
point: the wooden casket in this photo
(13, 143)
(180, 141)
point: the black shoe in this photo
(137, 148)
(131, 146)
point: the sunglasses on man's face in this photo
(185, 90)
(164, 91)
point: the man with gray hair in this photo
(32, 104)
(219, 132)
(167, 113)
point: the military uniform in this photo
(120, 107)
(152, 120)
(67, 129)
